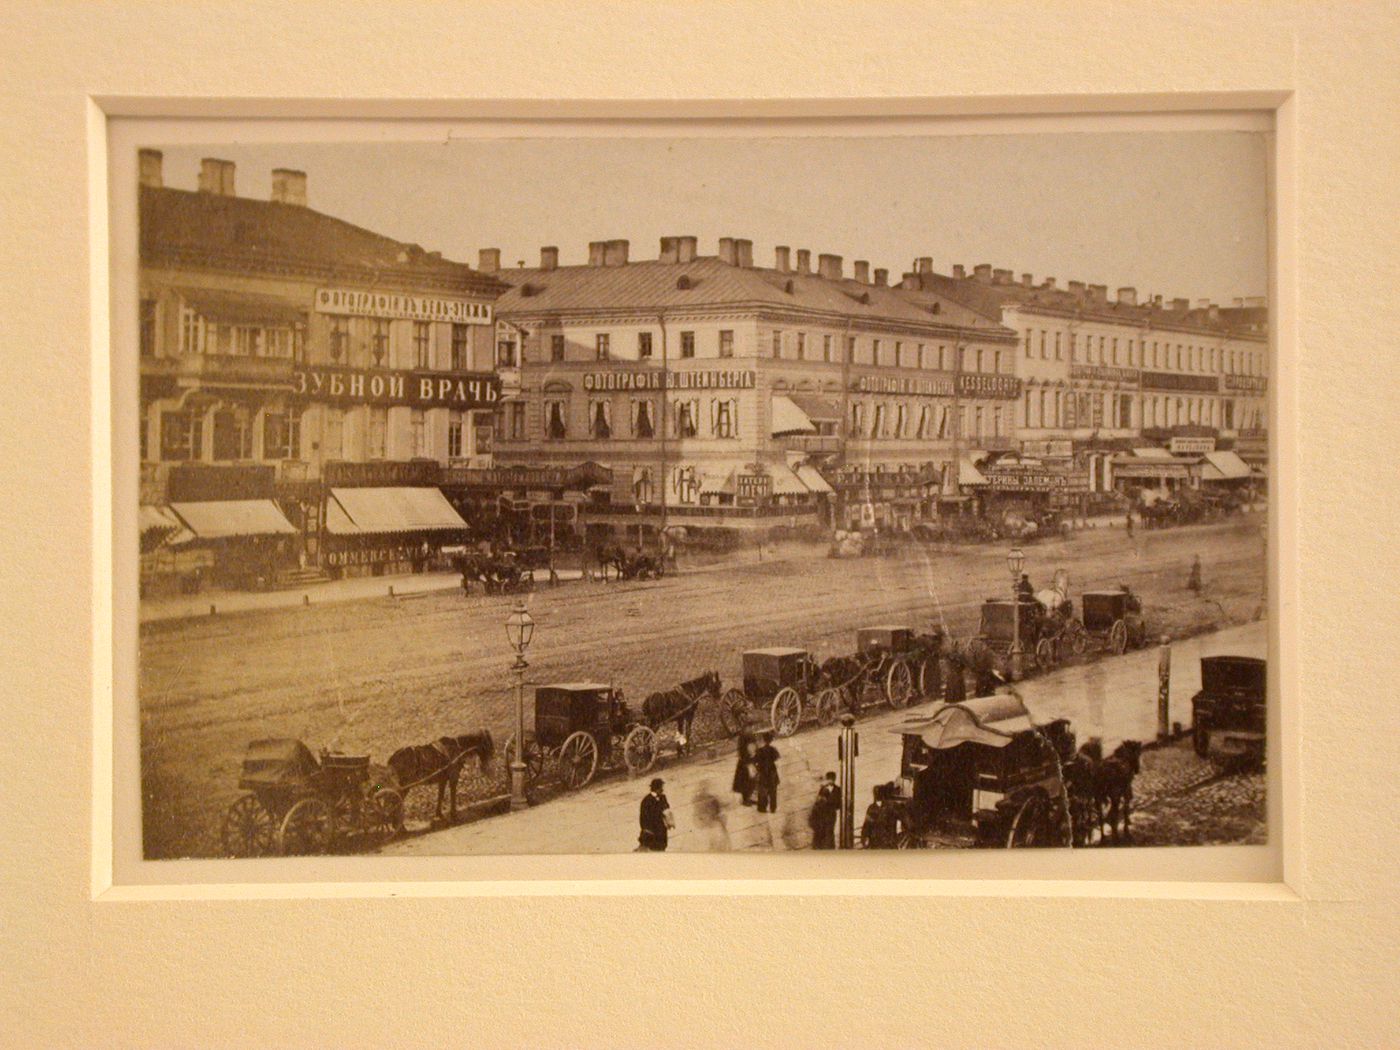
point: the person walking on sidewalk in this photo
(656, 819)
(766, 761)
(743, 769)
(824, 811)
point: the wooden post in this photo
(1164, 681)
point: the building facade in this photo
(721, 393)
(285, 354)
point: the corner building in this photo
(724, 394)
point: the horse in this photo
(440, 763)
(848, 674)
(679, 705)
(1110, 782)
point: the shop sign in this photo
(1033, 477)
(1107, 373)
(1133, 469)
(460, 390)
(1190, 446)
(507, 477)
(198, 482)
(984, 384)
(753, 486)
(370, 555)
(1247, 384)
(929, 386)
(396, 305)
(1177, 381)
(710, 379)
(388, 474)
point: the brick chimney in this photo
(549, 258)
(597, 250)
(670, 250)
(289, 186)
(1127, 296)
(1181, 304)
(727, 252)
(804, 260)
(1027, 280)
(829, 266)
(909, 282)
(216, 177)
(1049, 282)
(923, 264)
(882, 277)
(1098, 293)
(488, 260)
(862, 271)
(615, 253)
(1202, 304)
(743, 252)
(1076, 289)
(983, 272)
(780, 259)
(148, 165)
(686, 249)
(959, 271)
(1156, 302)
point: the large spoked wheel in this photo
(1045, 653)
(306, 830)
(639, 750)
(387, 811)
(248, 829)
(828, 706)
(786, 712)
(930, 678)
(1077, 637)
(899, 684)
(534, 757)
(578, 759)
(733, 711)
(1118, 637)
(1037, 823)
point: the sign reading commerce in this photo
(461, 390)
(718, 379)
(398, 305)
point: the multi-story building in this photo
(313, 372)
(718, 392)
(1104, 376)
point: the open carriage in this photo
(298, 803)
(980, 773)
(788, 683)
(581, 727)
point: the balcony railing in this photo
(814, 443)
(215, 368)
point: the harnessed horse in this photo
(678, 705)
(440, 763)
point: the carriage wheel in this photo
(828, 706)
(785, 714)
(578, 759)
(248, 829)
(639, 750)
(1078, 637)
(1045, 653)
(930, 678)
(899, 684)
(534, 756)
(1118, 637)
(307, 829)
(733, 711)
(387, 811)
(1028, 826)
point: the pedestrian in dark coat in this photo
(765, 760)
(824, 811)
(656, 819)
(743, 769)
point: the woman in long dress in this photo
(743, 769)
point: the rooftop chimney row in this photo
(959, 271)
(1027, 280)
(923, 264)
(829, 266)
(597, 251)
(149, 163)
(862, 271)
(1001, 276)
(781, 256)
(983, 272)
(743, 252)
(289, 187)
(488, 260)
(1127, 296)
(216, 177)
(804, 261)
(549, 258)
(882, 277)
(728, 252)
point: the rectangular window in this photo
(877, 421)
(422, 333)
(556, 348)
(1101, 357)
(826, 348)
(180, 435)
(148, 327)
(417, 423)
(777, 344)
(556, 427)
(996, 360)
(643, 418)
(517, 420)
(1073, 356)
(802, 346)
(977, 432)
(334, 445)
(875, 352)
(340, 338)
(1028, 345)
(461, 348)
(600, 419)
(901, 420)
(379, 341)
(454, 435)
(191, 331)
(857, 419)
(687, 413)
(726, 343)
(505, 351)
(943, 355)
(687, 344)
(1042, 349)
(1059, 354)
(602, 344)
(850, 349)
(980, 358)
(899, 361)
(1115, 350)
(643, 345)
(996, 422)
(724, 413)
(378, 431)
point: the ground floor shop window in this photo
(454, 435)
(181, 435)
(281, 435)
(233, 437)
(418, 425)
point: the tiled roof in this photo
(707, 281)
(254, 233)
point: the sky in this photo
(1177, 213)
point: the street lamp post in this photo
(1015, 559)
(519, 629)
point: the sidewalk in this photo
(1113, 698)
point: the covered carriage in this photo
(1113, 619)
(786, 681)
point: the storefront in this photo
(386, 531)
(1151, 473)
(1027, 487)
(526, 506)
(885, 499)
(249, 541)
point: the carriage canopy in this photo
(277, 763)
(993, 721)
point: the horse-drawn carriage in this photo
(297, 803)
(788, 682)
(631, 565)
(581, 727)
(892, 664)
(1002, 623)
(498, 572)
(1229, 712)
(980, 773)
(1112, 619)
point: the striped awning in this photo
(789, 419)
(785, 481)
(225, 519)
(968, 474)
(1224, 466)
(812, 478)
(392, 510)
(153, 518)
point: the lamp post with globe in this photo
(1015, 560)
(520, 628)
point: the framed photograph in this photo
(558, 529)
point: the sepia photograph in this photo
(612, 494)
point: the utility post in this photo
(847, 750)
(1164, 682)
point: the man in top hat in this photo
(656, 819)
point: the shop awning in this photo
(402, 509)
(968, 474)
(812, 478)
(990, 720)
(789, 419)
(222, 519)
(229, 308)
(153, 519)
(1152, 452)
(338, 523)
(1224, 466)
(817, 409)
(717, 482)
(785, 481)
